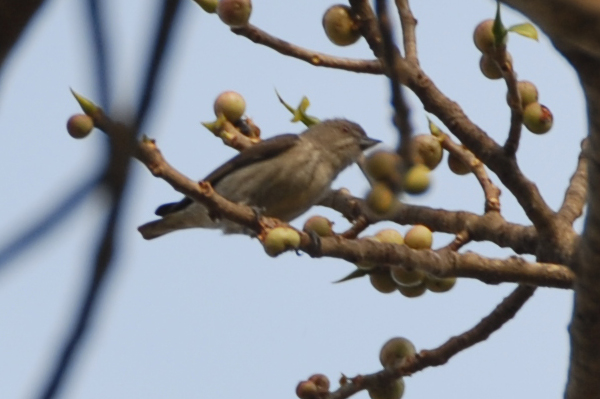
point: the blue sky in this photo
(196, 314)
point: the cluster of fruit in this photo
(234, 13)
(537, 118)
(384, 168)
(392, 354)
(411, 283)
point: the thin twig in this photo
(500, 57)
(505, 311)
(367, 22)
(409, 23)
(491, 227)
(576, 194)
(490, 190)
(312, 57)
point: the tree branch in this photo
(312, 57)
(576, 194)
(505, 311)
(409, 24)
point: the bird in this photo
(282, 177)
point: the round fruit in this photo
(483, 36)
(392, 390)
(79, 126)
(307, 390)
(382, 165)
(281, 239)
(394, 351)
(490, 69)
(407, 278)
(537, 118)
(339, 25)
(380, 199)
(439, 284)
(382, 282)
(231, 105)
(419, 237)
(321, 381)
(413, 292)
(209, 6)
(390, 236)
(457, 166)
(416, 180)
(427, 150)
(235, 13)
(320, 225)
(528, 92)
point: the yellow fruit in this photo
(427, 150)
(439, 284)
(380, 199)
(390, 236)
(80, 126)
(281, 239)
(234, 13)
(419, 237)
(537, 118)
(392, 390)
(320, 225)
(483, 36)
(382, 282)
(407, 278)
(414, 291)
(231, 105)
(382, 165)
(416, 180)
(394, 351)
(457, 166)
(490, 69)
(339, 25)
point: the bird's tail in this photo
(187, 219)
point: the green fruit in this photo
(382, 282)
(339, 25)
(380, 199)
(392, 390)
(537, 118)
(320, 225)
(413, 292)
(457, 166)
(439, 284)
(80, 125)
(390, 236)
(231, 105)
(490, 69)
(382, 165)
(416, 180)
(234, 13)
(321, 381)
(483, 36)
(307, 390)
(427, 150)
(209, 6)
(407, 278)
(419, 237)
(528, 92)
(394, 351)
(281, 239)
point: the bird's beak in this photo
(367, 142)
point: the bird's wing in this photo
(258, 152)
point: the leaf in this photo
(498, 29)
(526, 29)
(358, 273)
(433, 128)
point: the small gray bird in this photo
(283, 177)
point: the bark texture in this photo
(574, 28)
